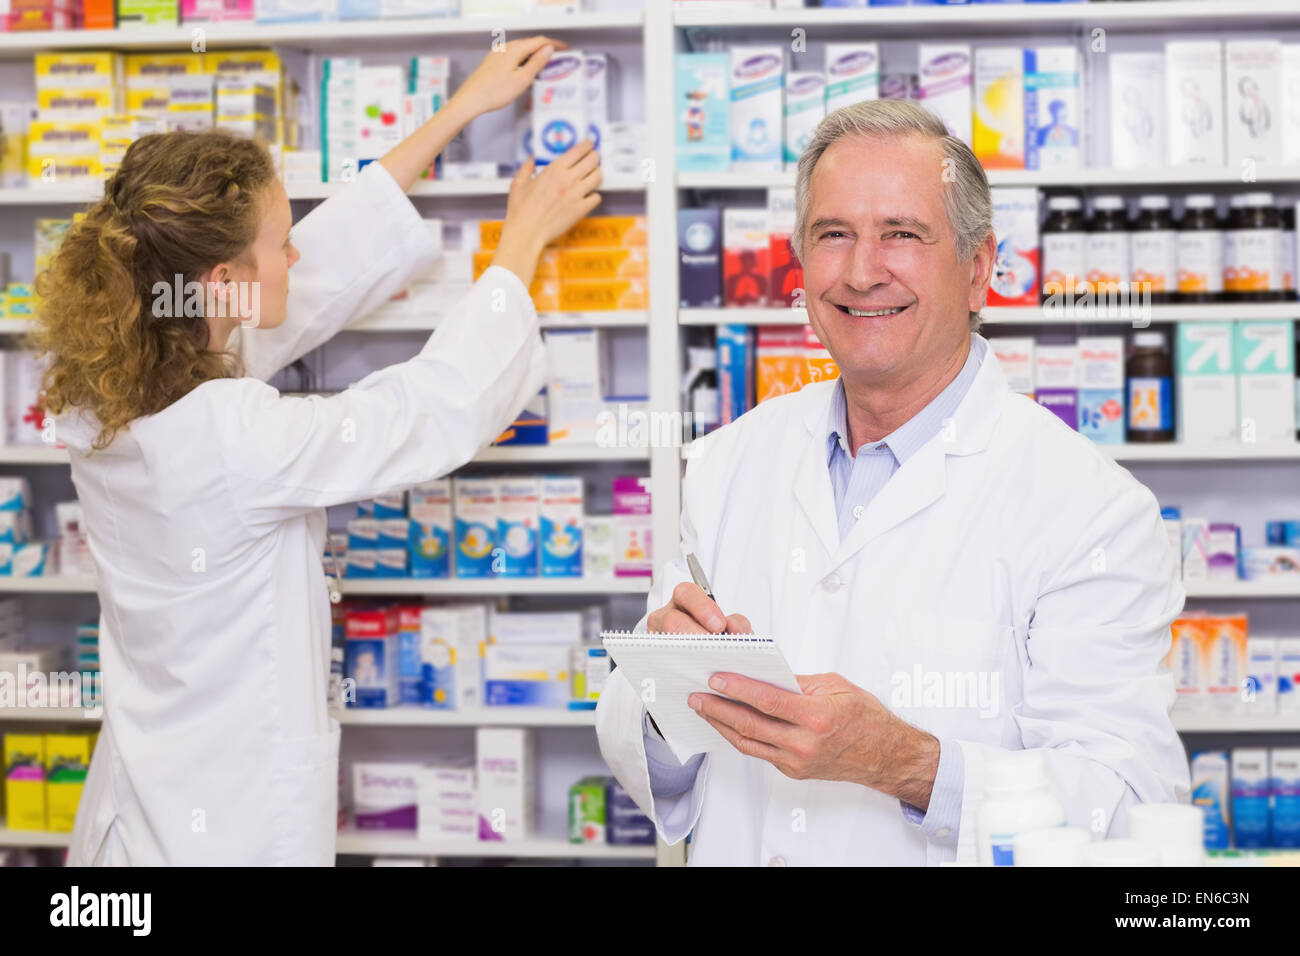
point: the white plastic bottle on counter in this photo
(1017, 799)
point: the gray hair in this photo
(966, 200)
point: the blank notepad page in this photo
(665, 669)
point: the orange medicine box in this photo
(547, 265)
(545, 293)
(596, 295)
(606, 231)
(603, 263)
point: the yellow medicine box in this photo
(65, 169)
(151, 70)
(606, 231)
(154, 99)
(24, 773)
(64, 138)
(596, 295)
(71, 102)
(67, 759)
(77, 69)
(603, 263)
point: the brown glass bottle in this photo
(1153, 249)
(1252, 253)
(1149, 374)
(1200, 251)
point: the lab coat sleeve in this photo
(1097, 695)
(357, 249)
(397, 427)
(620, 715)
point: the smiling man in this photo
(952, 573)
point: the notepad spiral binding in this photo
(682, 639)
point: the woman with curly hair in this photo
(203, 488)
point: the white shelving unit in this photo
(361, 717)
(1027, 315)
(660, 32)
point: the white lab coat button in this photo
(859, 511)
(777, 861)
(831, 584)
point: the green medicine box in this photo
(587, 810)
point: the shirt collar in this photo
(908, 438)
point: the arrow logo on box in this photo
(1216, 347)
(1269, 343)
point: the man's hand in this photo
(692, 612)
(834, 730)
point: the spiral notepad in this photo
(675, 666)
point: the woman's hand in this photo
(542, 208)
(503, 75)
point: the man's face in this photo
(877, 241)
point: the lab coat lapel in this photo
(922, 478)
(812, 479)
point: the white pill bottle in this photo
(1017, 798)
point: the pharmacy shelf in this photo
(1236, 723)
(363, 717)
(1204, 451)
(32, 837)
(1179, 451)
(1287, 587)
(550, 842)
(1026, 315)
(611, 318)
(1046, 178)
(33, 455)
(349, 35)
(465, 187)
(79, 194)
(480, 717)
(50, 584)
(510, 586)
(83, 194)
(556, 454)
(990, 19)
(386, 587)
(560, 453)
(48, 715)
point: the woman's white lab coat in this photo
(1010, 587)
(207, 526)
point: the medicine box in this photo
(1015, 355)
(633, 545)
(559, 106)
(1255, 109)
(574, 387)
(1264, 355)
(699, 257)
(561, 527)
(24, 777)
(587, 811)
(1056, 381)
(1101, 388)
(1284, 791)
(1210, 793)
(805, 107)
(477, 513)
(1137, 110)
(67, 761)
(998, 119)
(1194, 103)
(518, 526)
(756, 85)
(371, 657)
(1015, 270)
(702, 116)
(746, 247)
(506, 797)
(1207, 385)
(852, 74)
(1288, 675)
(1250, 799)
(385, 796)
(1053, 108)
(944, 76)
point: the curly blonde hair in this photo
(180, 204)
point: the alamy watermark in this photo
(59, 689)
(919, 688)
(219, 300)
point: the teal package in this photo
(1210, 794)
(1101, 415)
(702, 116)
(1286, 797)
(430, 551)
